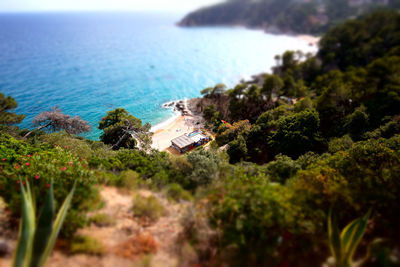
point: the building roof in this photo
(182, 141)
(197, 137)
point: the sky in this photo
(103, 5)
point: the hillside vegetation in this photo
(289, 16)
(314, 149)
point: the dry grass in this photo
(136, 246)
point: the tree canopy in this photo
(54, 120)
(121, 129)
(7, 116)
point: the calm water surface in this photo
(90, 63)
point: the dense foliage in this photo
(326, 130)
(39, 164)
(121, 129)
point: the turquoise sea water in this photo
(90, 63)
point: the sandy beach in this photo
(188, 121)
(314, 40)
(180, 125)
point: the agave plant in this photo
(343, 245)
(36, 239)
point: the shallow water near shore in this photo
(90, 63)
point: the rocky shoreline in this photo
(178, 106)
(194, 106)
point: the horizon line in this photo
(93, 11)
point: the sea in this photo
(90, 63)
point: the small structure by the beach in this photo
(189, 141)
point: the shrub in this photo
(86, 245)
(309, 158)
(40, 164)
(237, 150)
(227, 132)
(366, 175)
(181, 169)
(282, 168)
(387, 130)
(252, 215)
(78, 146)
(357, 123)
(149, 207)
(102, 219)
(205, 167)
(128, 179)
(197, 240)
(177, 193)
(340, 144)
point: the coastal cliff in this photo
(276, 16)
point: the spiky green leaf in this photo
(44, 227)
(62, 213)
(347, 233)
(358, 233)
(26, 231)
(334, 237)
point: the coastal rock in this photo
(180, 106)
(168, 104)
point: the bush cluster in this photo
(40, 164)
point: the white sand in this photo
(171, 129)
(314, 40)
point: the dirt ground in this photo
(131, 241)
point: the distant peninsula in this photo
(290, 17)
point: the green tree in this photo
(296, 134)
(210, 113)
(383, 83)
(282, 168)
(229, 132)
(237, 150)
(121, 129)
(7, 116)
(217, 90)
(272, 85)
(206, 91)
(359, 42)
(357, 123)
(340, 144)
(333, 102)
(387, 130)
